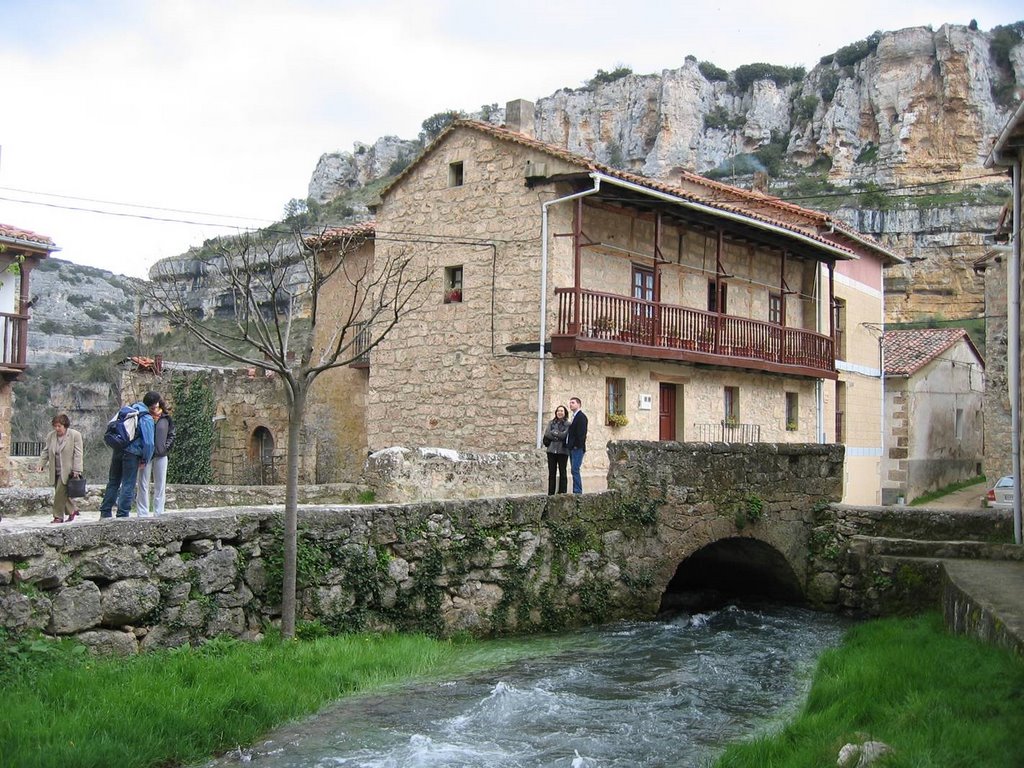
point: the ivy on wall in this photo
(190, 460)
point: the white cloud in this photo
(225, 107)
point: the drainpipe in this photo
(1013, 344)
(544, 294)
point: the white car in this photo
(1001, 494)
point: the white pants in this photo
(157, 471)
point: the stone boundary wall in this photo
(483, 566)
(880, 561)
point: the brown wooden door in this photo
(667, 412)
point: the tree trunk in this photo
(296, 413)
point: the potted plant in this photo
(453, 296)
(617, 420)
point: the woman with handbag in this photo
(62, 450)
(558, 454)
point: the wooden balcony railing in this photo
(684, 333)
(13, 340)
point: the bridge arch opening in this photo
(727, 570)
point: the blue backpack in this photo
(122, 428)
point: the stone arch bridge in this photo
(681, 524)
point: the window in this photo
(839, 319)
(615, 408)
(959, 424)
(841, 412)
(732, 406)
(643, 283)
(455, 174)
(453, 285)
(792, 411)
(716, 299)
(775, 308)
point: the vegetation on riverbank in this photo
(940, 701)
(66, 708)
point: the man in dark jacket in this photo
(576, 442)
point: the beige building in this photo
(690, 311)
(20, 252)
(934, 411)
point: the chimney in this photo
(519, 116)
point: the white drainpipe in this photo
(544, 294)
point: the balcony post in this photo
(24, 269)
(577, 264)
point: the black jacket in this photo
(577, 436)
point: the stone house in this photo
(1003, 284)
(20, 252)
(691, 311)
(934, 411)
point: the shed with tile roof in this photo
(934, 411)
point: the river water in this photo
(632, 694)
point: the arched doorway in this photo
(730, 569)
(261, 456)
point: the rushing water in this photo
(631, 694)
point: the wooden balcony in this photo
(610, 324)
(13, 344)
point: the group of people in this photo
(565, 440)
(141, 465)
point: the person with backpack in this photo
(130, 437)
(155, 472)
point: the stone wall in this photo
(404, 475)
(877, 561)
(247, 400)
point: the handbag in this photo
(76, 487)
(546, 440)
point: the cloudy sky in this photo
(120, 116)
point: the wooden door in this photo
(667, 412)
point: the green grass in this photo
(945, 491)
(66, 708)
(940, 701)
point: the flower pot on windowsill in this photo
(453, 296)
(617, 420)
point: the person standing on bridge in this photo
(62, 450)
(155, 472)
(558, 454)
(576, 442)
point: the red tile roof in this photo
(907, 352)
(26, 236)
(805, 222)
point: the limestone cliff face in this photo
(920, 106)
(337, 172)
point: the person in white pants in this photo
(155, 471)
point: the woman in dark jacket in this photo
(156, 470)
(558, 454)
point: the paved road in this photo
(971, 497)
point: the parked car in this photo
(1001, 494)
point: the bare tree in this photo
(274, 285)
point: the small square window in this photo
(455, 174)
(792, 411)
(453, 285)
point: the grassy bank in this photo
(940, 701)
(65, 708)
